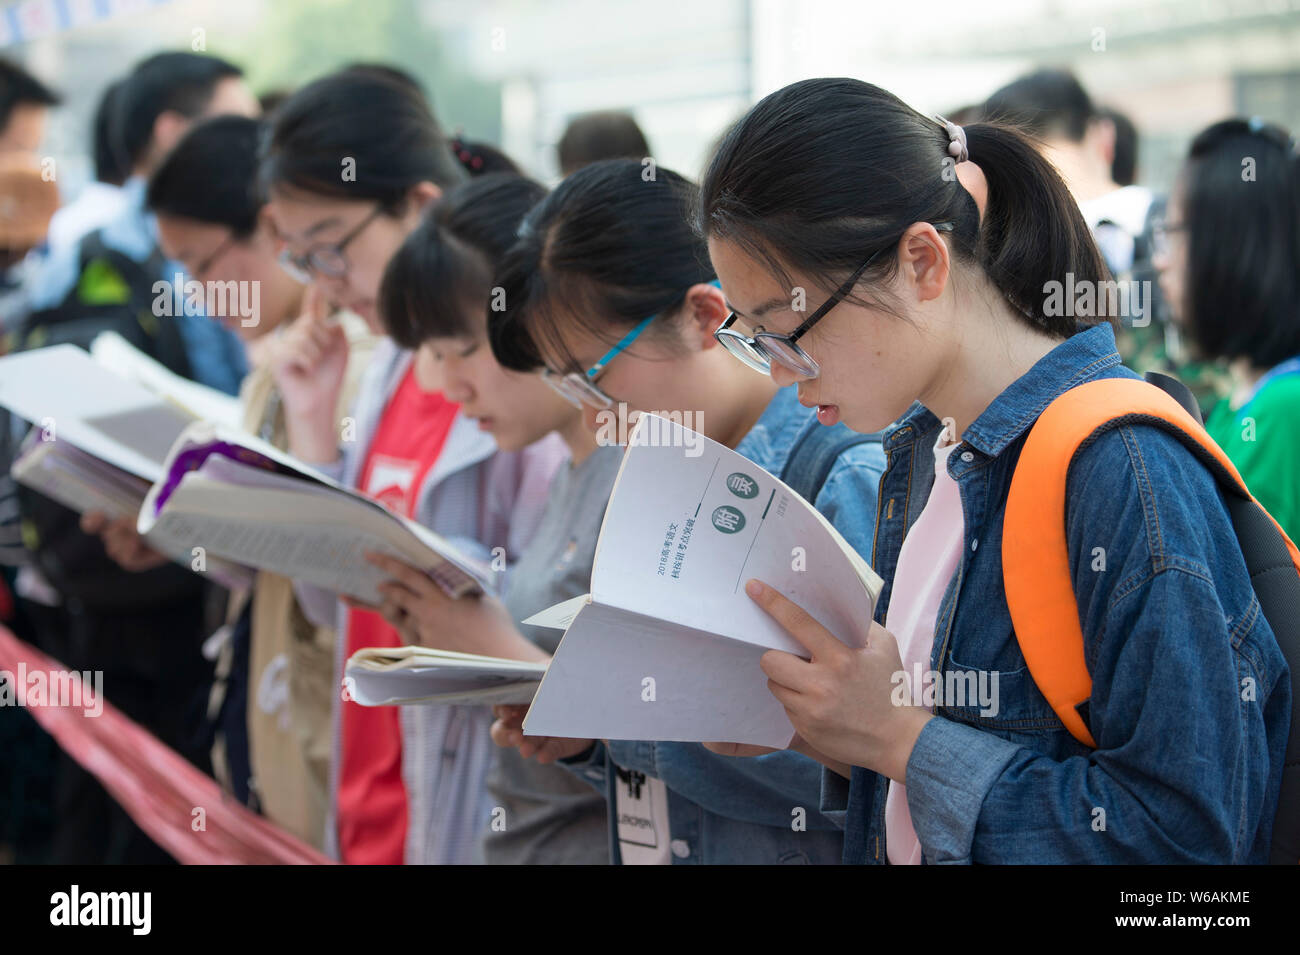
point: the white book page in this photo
(64, 392)
(683, 533)
(309, 533)
(617, 675)
(380, 676)
(119, 356)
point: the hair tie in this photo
(957, 147)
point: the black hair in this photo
(818, 175)
(595, 136)
(611, 246)
(480, 159)
(371, 119)
(1044, 103)
(1123, 165)
(1241, 180)
(438, 283)
(178, 82)
(209, 175)
(109, 167)
(18, 87)
(271, 100)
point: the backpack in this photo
(1036, 569)
(115, 293)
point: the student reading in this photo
(932, 284)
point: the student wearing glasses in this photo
(950, 329)
(273, 694)
(435, 294)
(609, 291)
(350, 166)
(1242, 308)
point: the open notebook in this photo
(666, 646)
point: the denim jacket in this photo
(729, 810)
(1190, 701)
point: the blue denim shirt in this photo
(1190, 703)
(727, 810)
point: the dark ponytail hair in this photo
(610, 246)
(819, 175)
(1245, 304)
(438, 283)
(375, 117)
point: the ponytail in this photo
(820, 174)
(1032, 233)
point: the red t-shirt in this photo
(372, 806)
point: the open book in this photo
(105, 442)
(376, 676)
(666, 646)
(244, 500)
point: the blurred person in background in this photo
(24, 107)
(101, 201)
(270, 703)
(351, 165)
(1124, 156)
(143, 630)
(595, 136)
(1242, 304)
(1057, 112)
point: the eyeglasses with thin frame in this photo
(1161, 230)
(327, 260)
(762, 348)
(203, 267)
(579, 387)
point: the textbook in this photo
(99, 439)
(206, 494)
(379, 676)
(666, 646)
(244, 500)
(113, 352)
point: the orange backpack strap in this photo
(1035, 556)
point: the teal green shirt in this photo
(1262, 438)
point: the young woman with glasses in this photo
(610, 294)
(945, 330)
(351, 163)
(435, 294)
(1242, 307)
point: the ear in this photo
(1102, 133)
(423, 194)
(704, 310)
(168, 128)
(923, 261)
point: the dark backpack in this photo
(114, 293)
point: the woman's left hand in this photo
(851, 704)
(419, 610)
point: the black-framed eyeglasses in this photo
(763, 348)
(202, 268)
(328, 260)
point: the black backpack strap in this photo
(1178, 391)
(814, 454)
